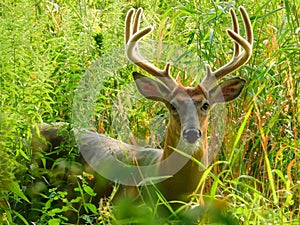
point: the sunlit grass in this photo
(46, 50)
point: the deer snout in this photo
(191, 135)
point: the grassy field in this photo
(46, 47)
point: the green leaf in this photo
(75, 200)
(15, 188)
(54, 211)
(54, 222)
(91, 207)
(21, 217)
(89, 190)
(22, 153)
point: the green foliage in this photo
(59, 209)
(46, 47)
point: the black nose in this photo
(191, 135)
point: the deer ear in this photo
(150, 88)
(227, 90)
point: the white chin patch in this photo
(189, 148)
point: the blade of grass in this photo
(232, 159)
(264, 143)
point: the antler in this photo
(239, 58)
(132, 36)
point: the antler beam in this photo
(132, 36)
(239, 58)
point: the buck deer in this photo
(189, 108)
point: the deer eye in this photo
(205, 106)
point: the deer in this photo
(186, 138)
(188, 106)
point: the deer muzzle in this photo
(191, 135)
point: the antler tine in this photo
(239, 58)
(247, 24)
(136, 25)
(132, 36)
(235, 26)
(128, 25)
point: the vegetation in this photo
(47, 47)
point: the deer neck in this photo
(171, 139)
(185, 181)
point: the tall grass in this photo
(47, 46)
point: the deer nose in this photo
(191, 135)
